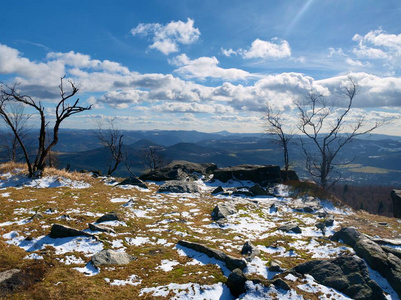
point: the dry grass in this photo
(9, 167)
(60, 281)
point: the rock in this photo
(6, 275)
(329, 221)
(223, 210)
(242, 192)
(281, 284)
(178, 170)
(275, 266)
(387, 264)
(94, 227)
(111, 216)
(273, 208)
(61, 231)
(290, 227)
(236, 282)
(257, 190)
(218, 190)
(231, 262)
(396, 197)
(249, 251)
(347, 274)
(263, 175)
(133, 181)
(320, 225)
(111, 257)
(292, 176)
(177, 186)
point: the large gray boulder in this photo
(263, 175)
(62, 231)
(230, 262)
(290, 227)
(396, 197)
(236, 282)
(347, 274)
(223, 210)
(111, 257)
(177, 186)
(387, 264)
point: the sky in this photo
(204, 65)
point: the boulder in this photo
(94, 227)
(218, 190)
(6, 275)
(396, 197)
(387, 264)
(230, 262)
(281, 284)
(257, 190)
(263, 175)
(275, 266)
(133, 181)
(111, 216)
(249, 250)
(178, 186)
(111, 257)
(223, 210)
(236, 282)
(347, 274)
(178, 170)
(290, 227)
(62, 231)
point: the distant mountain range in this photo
(375, 158)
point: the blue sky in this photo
(203, 65)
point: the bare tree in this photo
(323, 123)
(10, 94)
(275, 125)
(152, 158)
(19, 120)
(112, 139)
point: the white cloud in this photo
(275, 49)
(193, 108)
(377, 44)
(206, 67)
(167, 37)
(356, 63)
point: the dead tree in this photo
(275, 125)
(10, 94)
(152, 158)
(112, 139)
(19, 120)
(324, 124)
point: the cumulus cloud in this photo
(275, 49)
(377, 44)
(206, 67)
(166, 38)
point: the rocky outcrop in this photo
(230, 262)
(387, 264)
(94, 227)
(133, 181)
(223, 210)
(62, 231)
(396, 197)
(178, 170)
(263, 175)
(111, 216)
(177, 186)
(347, 274)
(111, 257)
